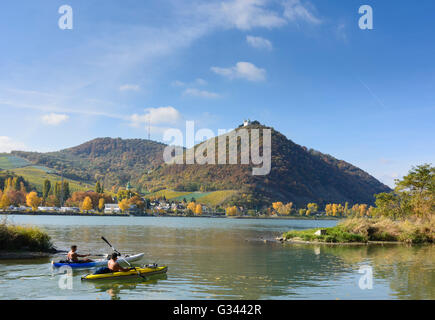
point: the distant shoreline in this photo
(163, 216)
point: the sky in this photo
(305, 68)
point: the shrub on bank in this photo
(26, 238)
(413, 230)
(334, 234)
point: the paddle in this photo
(119, 253)
(105, 240)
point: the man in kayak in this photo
(114, 266)
(73, 256)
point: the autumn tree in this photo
(289, 207)
(137, 201)
(328, 209)
(5, 202)
(277, 205)
(32, 200)
(198, 209)
(312, 207)
(124, 205)
(191, 207)
(16, 198)
(334, 210)
(232, 211)
(87, 204)
(362, 210)
(101, 204)
(283, 209)
(79, 196)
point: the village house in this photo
(111, 208)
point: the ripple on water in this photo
(210, 258)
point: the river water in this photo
(216, 258)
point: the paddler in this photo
(114, 266)
(73, 256)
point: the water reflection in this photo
(114, 288)
(409, 270)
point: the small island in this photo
(405, 215)
(23, 242)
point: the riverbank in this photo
(46, 213)
(42, 213)
(23, 255)
(365, 230)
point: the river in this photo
(217, 258)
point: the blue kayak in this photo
(97, 263)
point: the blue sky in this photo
(303, 67)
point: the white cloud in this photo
(200, 82)
(7, 144)
(242, 70)
(129, 87)
(200, 93)
(294, 11)
(242, 14)
(54, 119)
(259, 42)
(249, 14)
(156, 116)
(131, 51)
(196, 82)
(178, 83)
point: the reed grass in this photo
(412, 230)
(23, 238)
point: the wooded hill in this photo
(298, 174)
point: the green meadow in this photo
(212, 198)
(8, 162)
(37, 175)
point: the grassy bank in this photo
(23, 238)
(413, 230)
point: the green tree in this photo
(419, 180)
(98, 187)
(46, 189)
(62, 191)
(419, 186)
(66, 191)
(57, 190)
(413, 195)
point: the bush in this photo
(335, 234)
(14, 237)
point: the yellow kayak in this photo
(138, 272)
